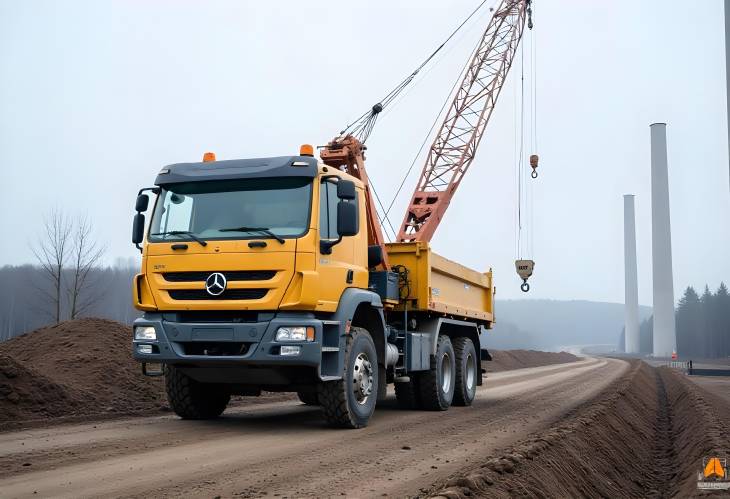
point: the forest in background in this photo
(25, 304)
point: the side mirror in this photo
(138, 229)
(347, 223)
(346, 189)
(143, 201)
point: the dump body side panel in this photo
(437, 284)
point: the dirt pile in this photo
(82, 367)
(505, 360)
(645, 437)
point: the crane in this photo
(456, 142)
(455, 145)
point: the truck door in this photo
(337, 268)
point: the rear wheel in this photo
(191, 399)
(436, 386)
(466, 371)
(350, 401)
(309, 398)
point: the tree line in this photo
(67, 281)
(702, 325)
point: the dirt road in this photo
(284, 449)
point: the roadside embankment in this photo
(505, 360)
(643, 437)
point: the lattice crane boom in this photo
(457, 140)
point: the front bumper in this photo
(209, 344)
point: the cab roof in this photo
(280, 166)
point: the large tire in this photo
(349, 402)
(407, 393)
(467, 364)
(436, 385)
(192, 399)
(309, 398)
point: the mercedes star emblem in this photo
(215, 284)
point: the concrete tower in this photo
(631, 337)
(665, 341)
(727, 65)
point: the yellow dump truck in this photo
(261, 274)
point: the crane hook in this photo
(524, 270)
(534, 158)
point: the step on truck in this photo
(271, 274)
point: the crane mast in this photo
(457, 140)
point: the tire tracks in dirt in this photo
(283, 448)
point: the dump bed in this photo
(439, 285)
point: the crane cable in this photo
(525, 200)
(436, 120)
(362, 127)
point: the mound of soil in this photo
(644, 437)
(505, 360)
(26, 394)
(79, 367)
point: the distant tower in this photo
(631, 337)
(727, 66)
(665, 340)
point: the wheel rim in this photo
(446, 374)
(471, 371)
(362, 378)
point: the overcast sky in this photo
(96, 96)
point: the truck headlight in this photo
(145, 333)
(295, 333)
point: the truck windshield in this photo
(204, 209)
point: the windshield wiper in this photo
(265, 230)
(181, 233)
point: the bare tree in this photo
(85, 255)
(51, 252)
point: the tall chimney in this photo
(727, 67)
(665, 341)
(631, 336)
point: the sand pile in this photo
(504, 360)
(643, 438)
(82, 367)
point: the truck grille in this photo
(228, 294)
(215, 348)
(231, 275)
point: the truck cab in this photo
(257, 275)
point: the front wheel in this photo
(191, 399)
(350, 401)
